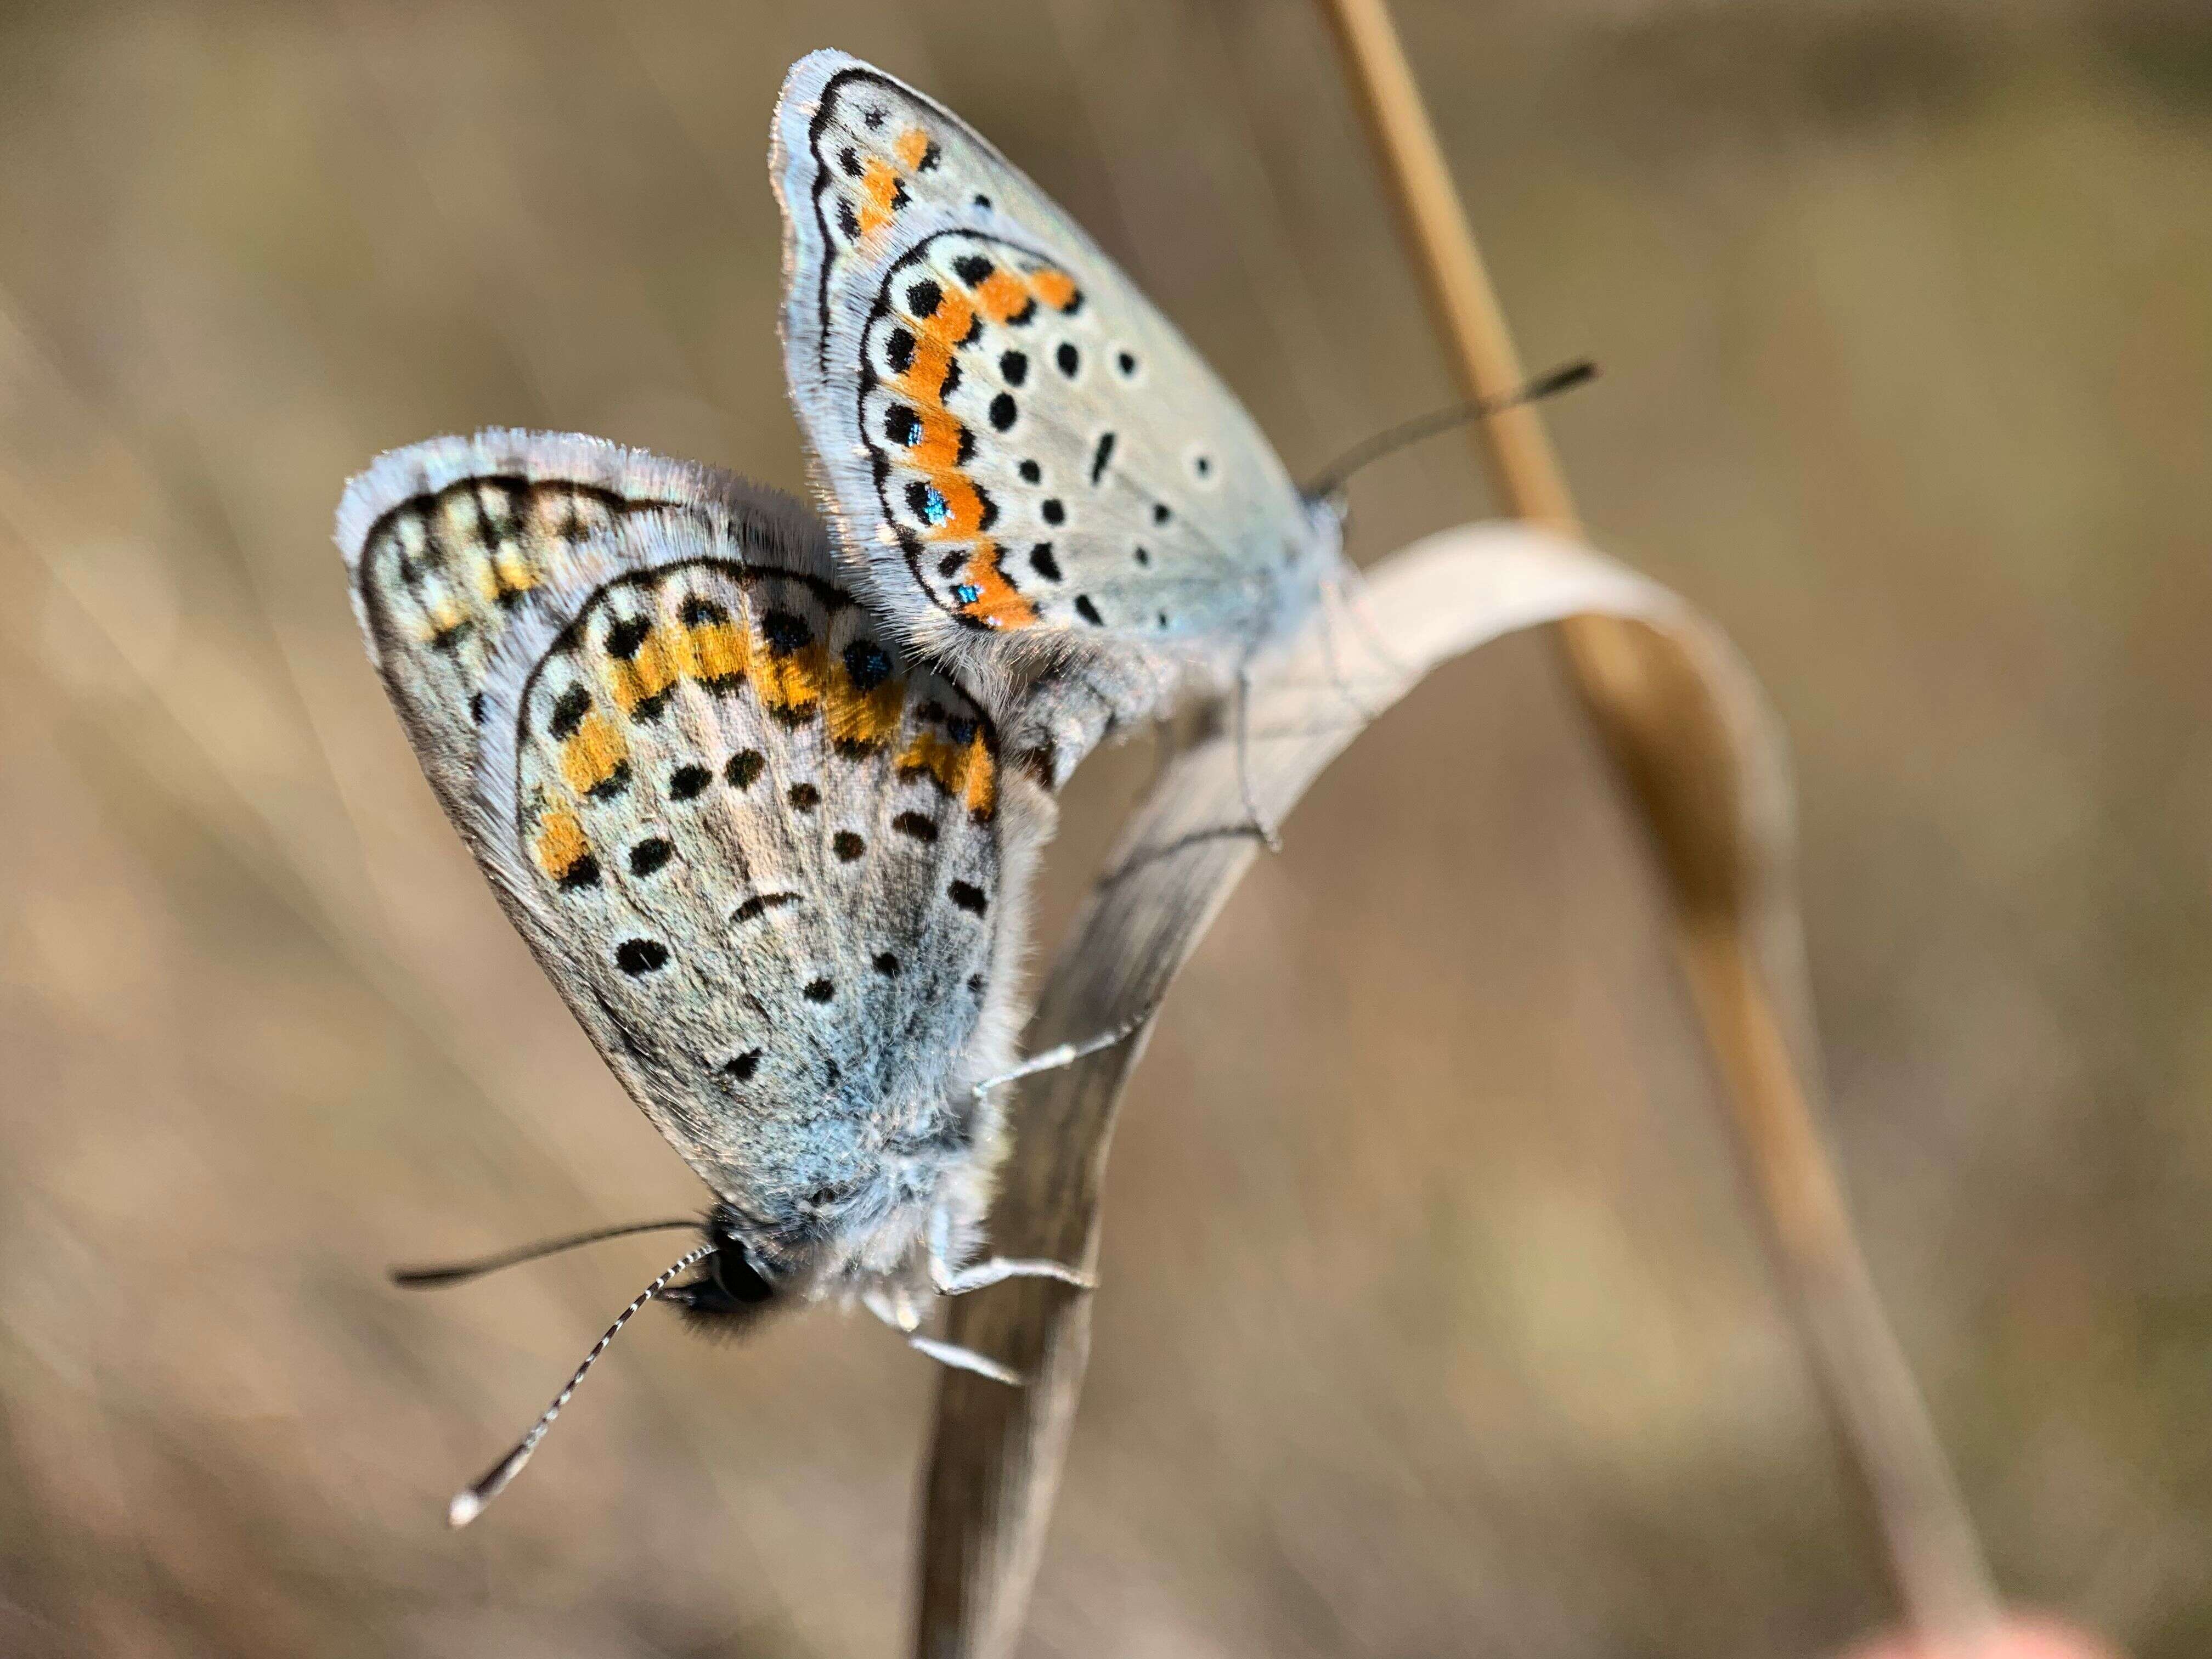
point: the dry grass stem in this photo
(1668, 731)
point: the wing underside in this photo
(756, 849)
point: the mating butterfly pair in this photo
(763, 794)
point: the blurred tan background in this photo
(1431, 1321)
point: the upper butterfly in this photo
(1035, 479)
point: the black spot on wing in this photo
(640, 956)
(569, 711)
(868, 664)
(786, 631)
(700, 612)
(760, 904)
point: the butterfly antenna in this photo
(457, 1272)
(469, 1505)
(1548, 384)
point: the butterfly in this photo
(1033, 476)
(775, 866)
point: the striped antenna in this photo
(469, 1505)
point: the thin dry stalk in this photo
(1668, 733)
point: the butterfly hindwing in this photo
(1022, 453)
(762, 854)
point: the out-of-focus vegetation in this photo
(1431, 1322)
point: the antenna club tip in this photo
(1565, 376)
(465, 1508)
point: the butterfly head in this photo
(874, 1219)
(729, 1292)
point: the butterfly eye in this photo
(735, 1274)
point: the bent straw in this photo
(996, 1453)
(1668, 733)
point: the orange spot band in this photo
(880, 185)
(1055, 288)
(594, 754)
(996, 603)
(561, 845)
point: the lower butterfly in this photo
(775, 868)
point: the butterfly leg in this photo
(1334, 598)
(1000, 1268)
(901, 1314)
(1348, 587)
(1065, 1053)
(1258, 825)
(1167, 744)
(960, 1281)
(966, 1360)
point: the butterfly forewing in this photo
(756, 849)
(1016, 443)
